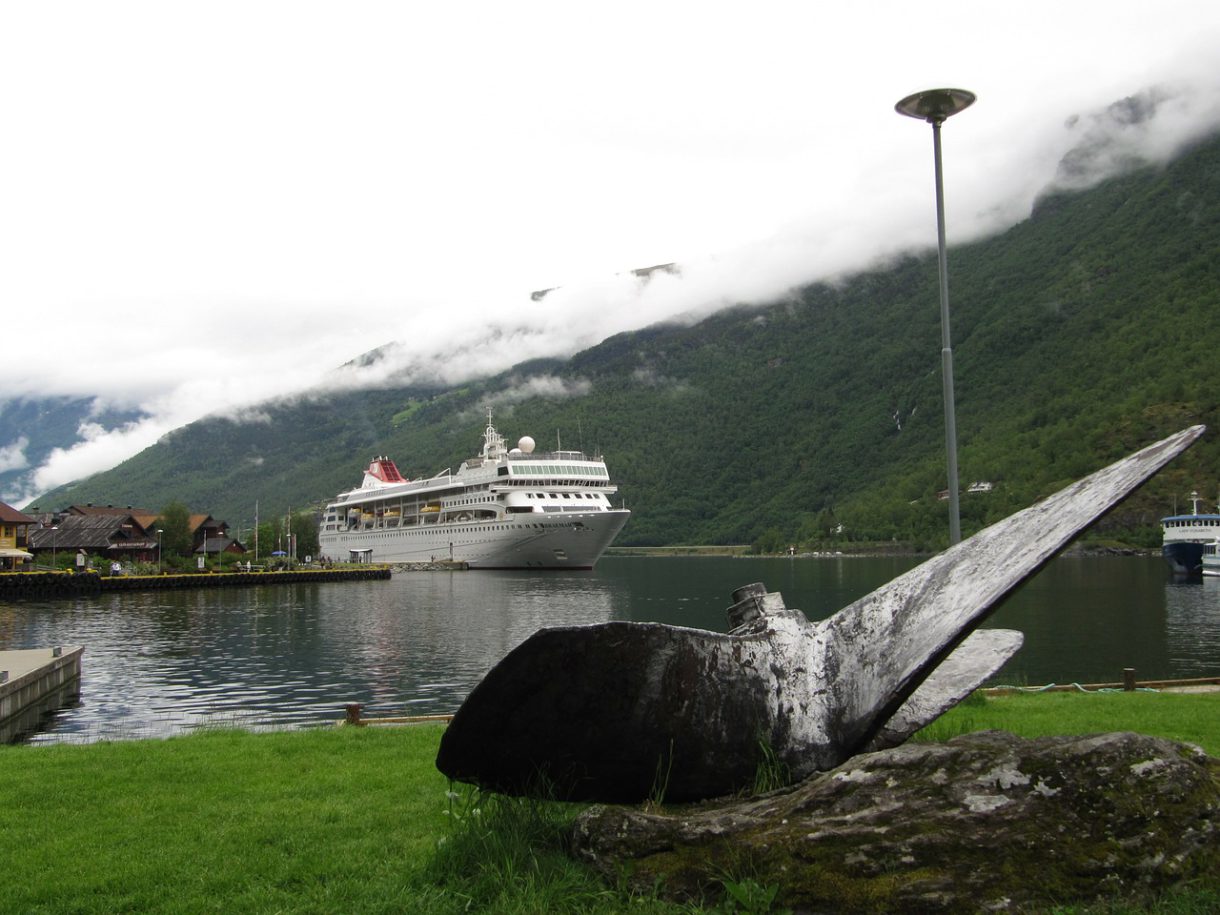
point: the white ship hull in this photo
(573, 541)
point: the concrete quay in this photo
(35, 682)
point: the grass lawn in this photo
(1192, 717)
(359, 820)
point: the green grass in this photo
(321, 821)
(1194, 718)
(359, 820)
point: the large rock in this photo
(986, 821)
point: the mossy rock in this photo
(984, 821)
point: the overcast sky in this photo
(231, 199)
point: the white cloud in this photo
(12, 456)
(548, 386)
(96, 449)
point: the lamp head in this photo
(935, 105)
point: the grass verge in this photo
(359, 820)
(1193, 717)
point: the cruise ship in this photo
(1184, 536)
(502, 509)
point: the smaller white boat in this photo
(1185, 536)
(1211, 558)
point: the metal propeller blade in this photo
(623, 711)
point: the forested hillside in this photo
(1079, 335)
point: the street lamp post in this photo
(159, 532)
(54, 543)
(935, 106)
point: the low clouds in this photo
(1148, 127)
(12, 456)
(96, 449)
(546, 386)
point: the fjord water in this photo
(159, 663)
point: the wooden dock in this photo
(35, 682)
(41, 585)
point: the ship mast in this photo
(493, 441)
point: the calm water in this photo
(158, 663)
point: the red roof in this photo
(10, 515)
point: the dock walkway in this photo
(33, 683)
(70, 584)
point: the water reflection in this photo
(159, 663)
(1192, 625)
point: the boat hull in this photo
(1183, 556)
(526, 541)
(1211, 559)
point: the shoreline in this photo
(863, 551)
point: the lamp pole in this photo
(935, 106)
(158, 551)
(54, 543)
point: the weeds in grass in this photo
(749, 898)
(1183, 900)
(772, 772)
(946, 728)
(509, 854)
(743, 893)
(660, 780)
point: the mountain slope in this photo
(1079, 334)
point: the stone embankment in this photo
(437, 565)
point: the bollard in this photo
(57, 651)
(3, 676)
(1128, 679)
(353, 713)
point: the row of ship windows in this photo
(1203, 522)
(491, 527)
(516, 480)
(548, 470)
(530, 495)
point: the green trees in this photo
(304, 528)
(295, 534)
(175, 527)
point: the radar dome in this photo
(526, 444)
